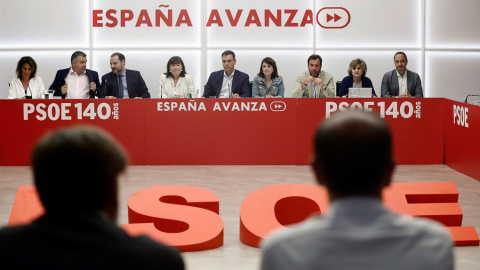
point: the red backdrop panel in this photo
(416, 124)
(462, 131)
(220, 132)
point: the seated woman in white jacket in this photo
(176, 83)
(27, 85)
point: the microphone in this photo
(314, 90)
(105, 88)
(229, 90)
(26, 91)
(466, 99)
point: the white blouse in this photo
(35, 86)
(169, 90)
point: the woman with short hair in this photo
(176, 83)
(356, 78)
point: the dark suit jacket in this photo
(390, 84)
(135, 84)
(347, 82)
(59, 81)
(240, 84)
(81, 242)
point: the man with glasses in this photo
(401, 82)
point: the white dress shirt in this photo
(78, 85)
(402, 83)
(35, 88)
(226, 85)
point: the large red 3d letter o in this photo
(180, 216)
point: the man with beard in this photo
(122, 82)
(314, 83)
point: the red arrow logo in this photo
(335, 17)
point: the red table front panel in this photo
(24, 122)
(222, 131)
(218, 131)
(462, 133)
(416, 124)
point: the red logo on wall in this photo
(333, 17)
(163, 16)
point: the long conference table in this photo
(244, 131)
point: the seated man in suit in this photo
(122, 82)
(76, 82)
(75, 172)
(228, 83)
(357, 232)
(401, 82)
(314, 82)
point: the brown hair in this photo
(346, 145)
(354, 63)
(26, 60)
(174, 60)
(76, 170)
(271, 62)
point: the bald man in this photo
(358, 232)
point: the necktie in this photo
(120, 86)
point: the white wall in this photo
(440, 38)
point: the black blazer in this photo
(240, 84)
(59, 81)
(135, 84)
(81, 241)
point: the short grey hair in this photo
(76, 54)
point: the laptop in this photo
(359, 92)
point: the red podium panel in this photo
(24, 122)
(416, 124)
(462, 131)
(221, 131)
